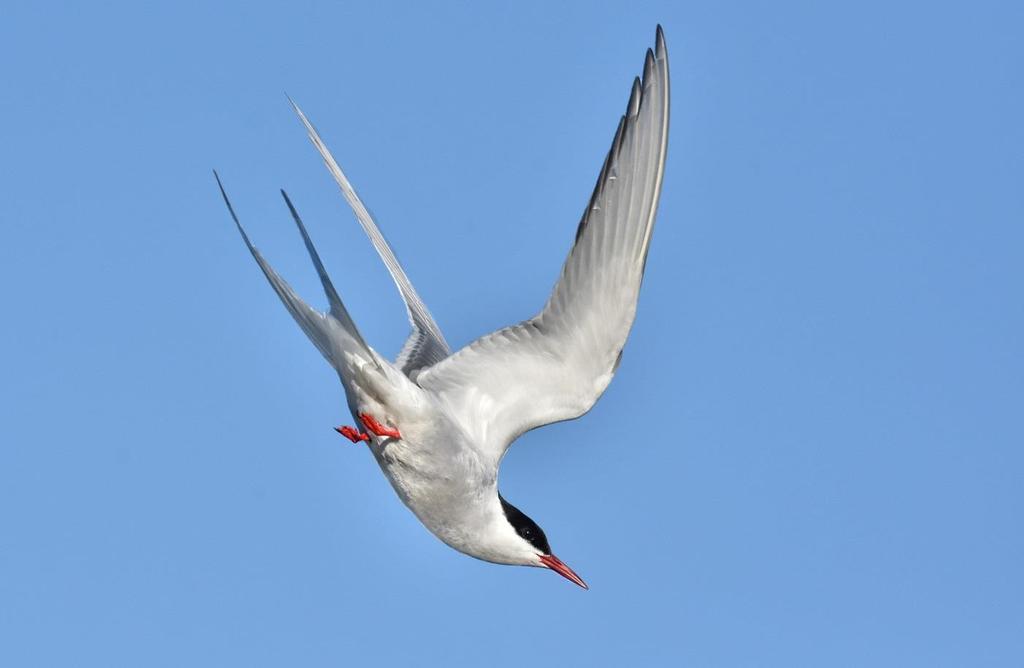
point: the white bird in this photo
(439, 423)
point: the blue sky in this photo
(811, 455)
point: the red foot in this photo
(352, 435)
(377, 428)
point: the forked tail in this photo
(334, 333)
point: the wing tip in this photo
(649, 65)
(633, 106)
(661, 52)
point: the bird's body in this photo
(434, 468)
(439, 423)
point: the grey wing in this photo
(426, 345)
(554, 366)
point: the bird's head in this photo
(532, 546)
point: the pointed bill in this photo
(558, 566)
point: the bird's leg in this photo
(377, 428)
(352, 435)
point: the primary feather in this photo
(555, 365)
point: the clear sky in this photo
(812, 453)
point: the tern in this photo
(439, 423)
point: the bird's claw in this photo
(377, 428)
(352, 435)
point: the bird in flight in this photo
(437, 422)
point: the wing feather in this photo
(554, 366)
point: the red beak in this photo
(555, 564)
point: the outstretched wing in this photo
(554, 366)
(425, 345)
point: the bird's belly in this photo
(444, 489)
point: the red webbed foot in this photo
(352, 435)
(377, 428)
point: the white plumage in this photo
(446, 420)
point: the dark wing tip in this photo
(633, 107)
(648, 65)
(660, 50)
